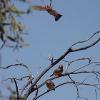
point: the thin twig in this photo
(16, 88)
(36, 93)
(73, 61)
(78, 83)
(87, 39)
(15, 65)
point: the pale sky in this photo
(46, 37)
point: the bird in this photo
(53, 12)
(58, 72)
(47, 8)
(50, 85)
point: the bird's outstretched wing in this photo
(39, 8)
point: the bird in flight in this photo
(47, 8)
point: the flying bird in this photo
(50, 85)
(47, 8)
(58, 72)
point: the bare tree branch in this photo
(72, 73)
(15, 65)
(70, 82)
(36, 93)
(17, 91)
(76, 60)
(11, 31)
(87, 39)
(71, 49)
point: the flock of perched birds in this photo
(57, 73)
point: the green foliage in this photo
(10, 28)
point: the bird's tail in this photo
(58, 17)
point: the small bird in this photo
(58, 72)
(50, 85)
(47, 8)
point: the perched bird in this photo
(47, 8)
(58, 72)
(50, 85)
